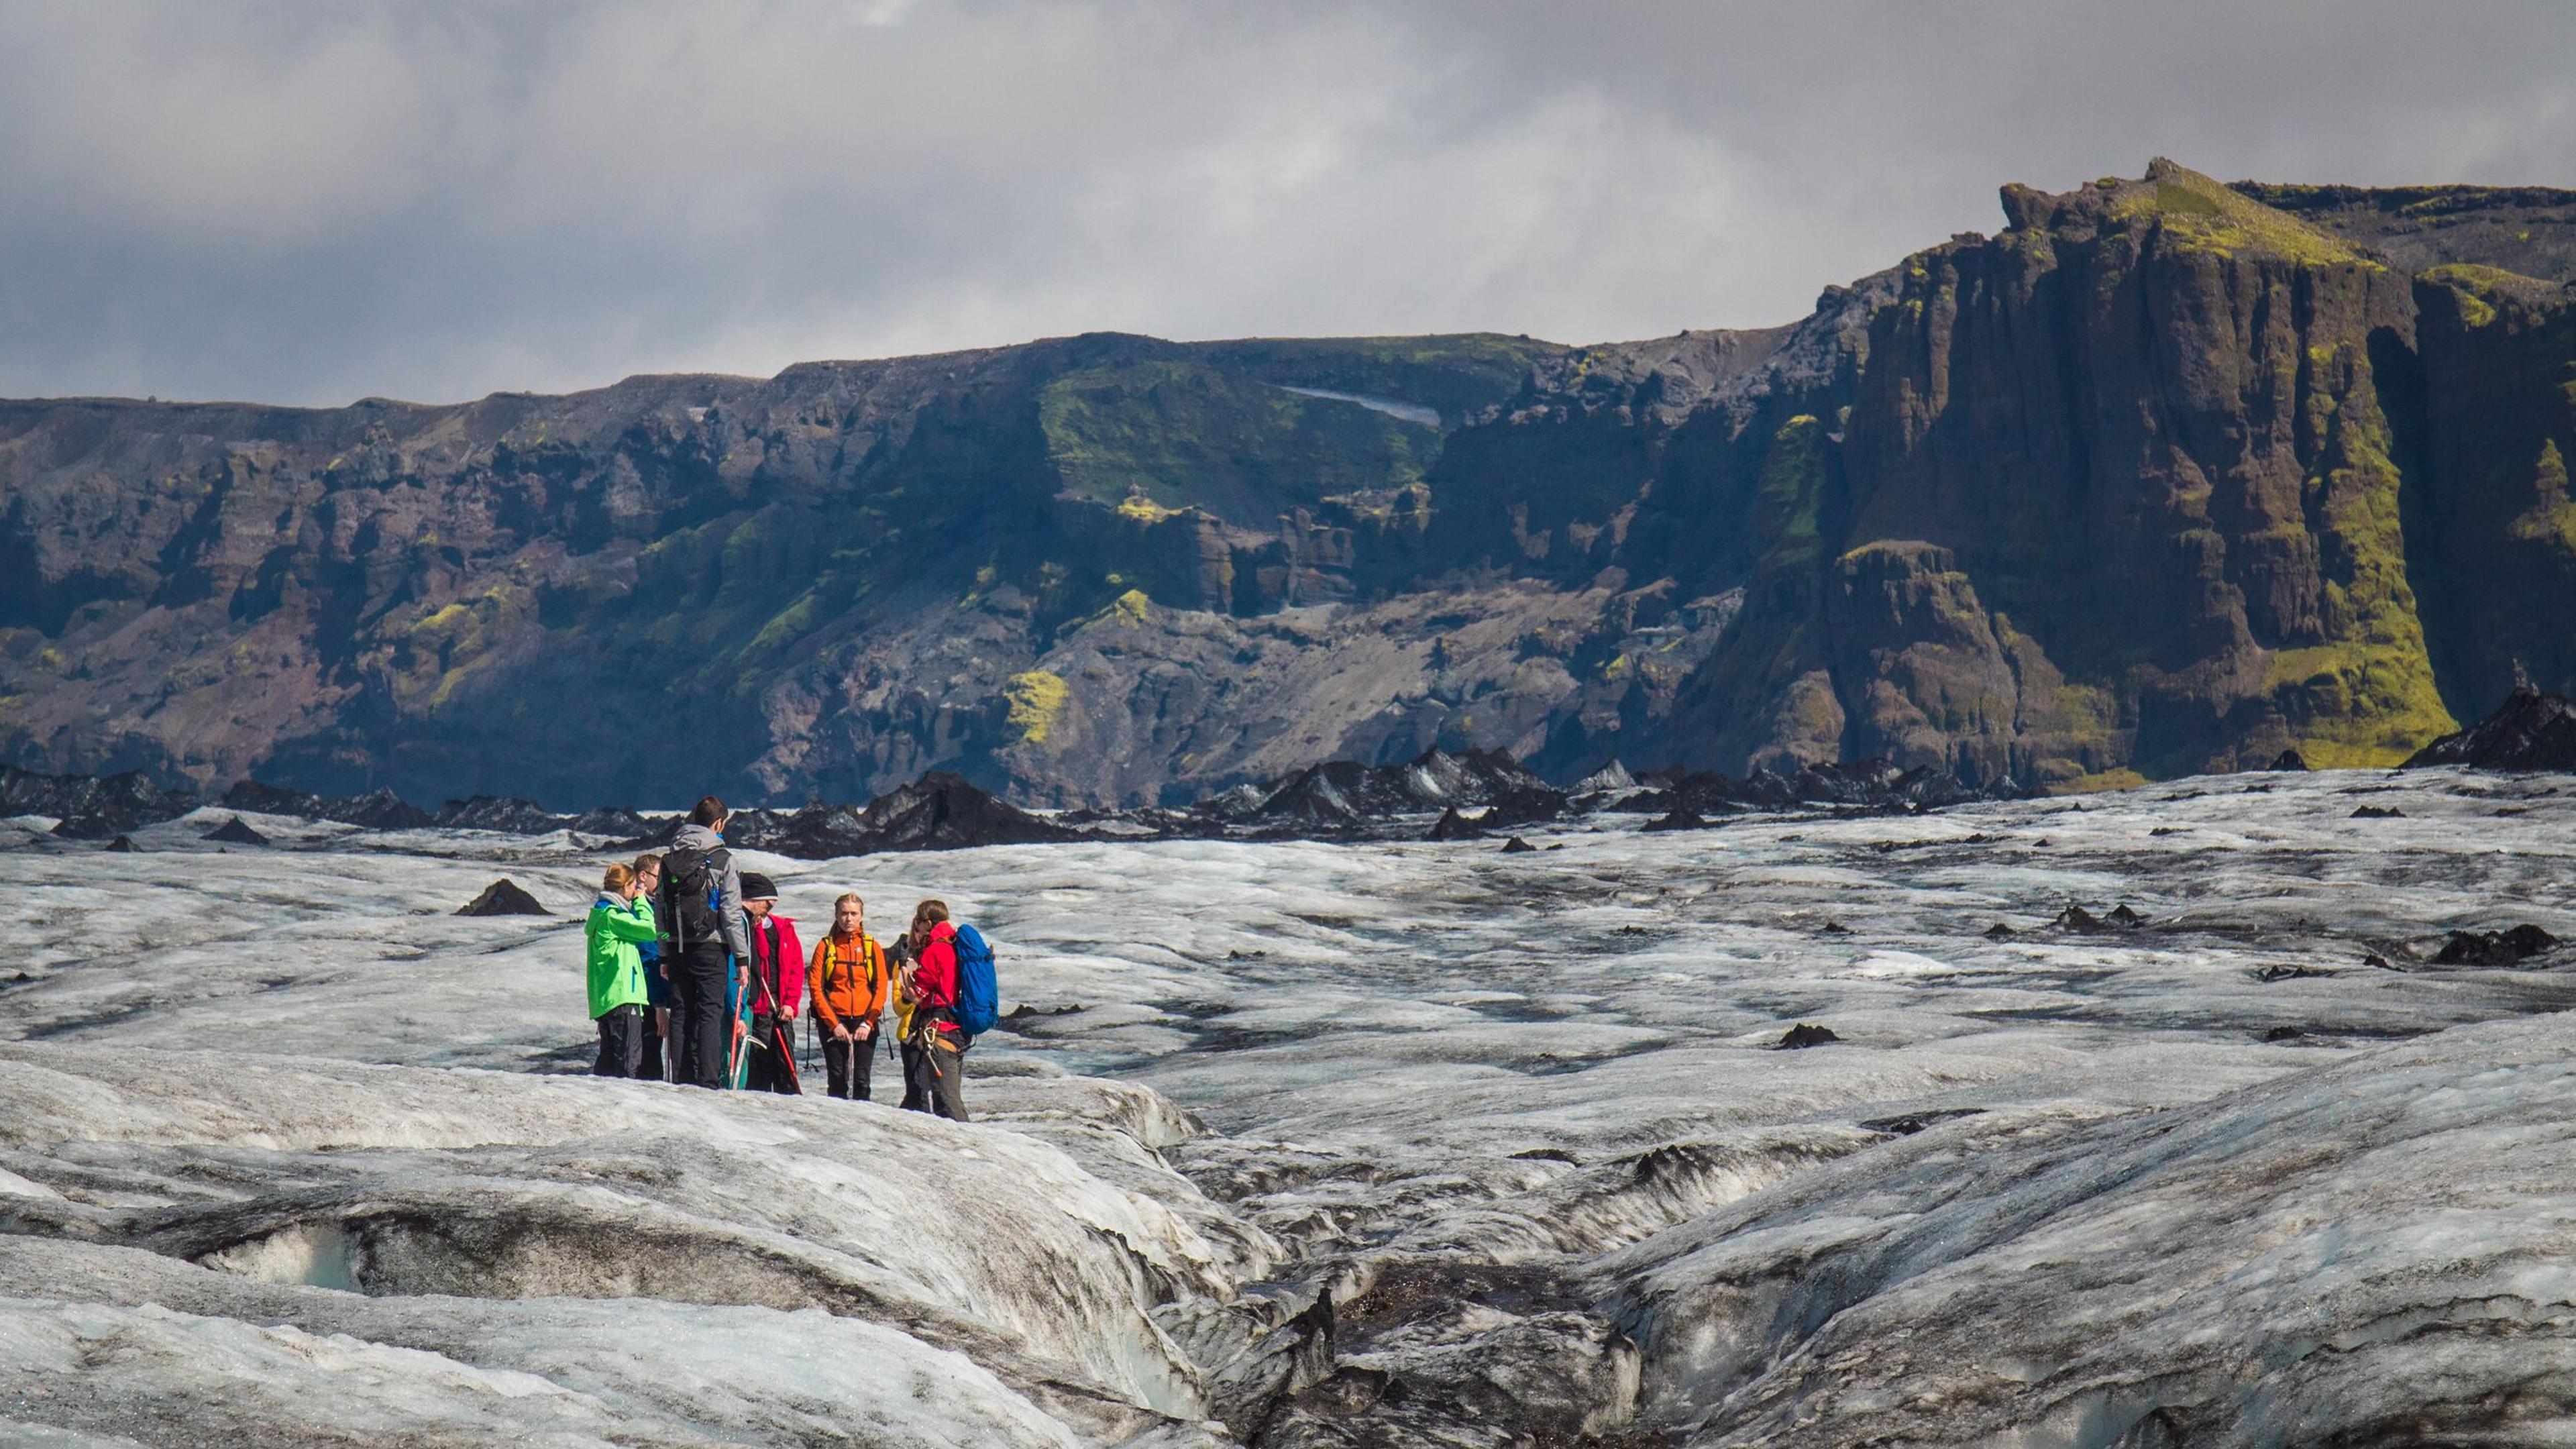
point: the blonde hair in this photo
(617, 877)
(848, 898)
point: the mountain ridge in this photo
(2159, 478)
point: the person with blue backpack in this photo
(955, 999)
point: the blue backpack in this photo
(979, 996)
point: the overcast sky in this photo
(315, 203)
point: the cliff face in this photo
(2491, 528)
(823, 582)
(2141, 434)
(2159, 478)
(2528, 230)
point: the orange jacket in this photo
(848, 985)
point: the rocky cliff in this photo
(2164, 476)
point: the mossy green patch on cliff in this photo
(443, 648)
(1151, 437)
(1143, 509)
(443, 618)
(787, 625)
(2096, 783)
(1454, 374)
(2489, 283)
(2072, 727)
(2366, 694)
(1791, 501)
(2477, 288)
(1809, 721)
(2550, 518)
(1411, 504)
(2356, 707)
(1037, 700)
(740, 591)
(2198, 214)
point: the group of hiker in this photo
(696, 978)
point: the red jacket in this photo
(934, 973)
(778, 965)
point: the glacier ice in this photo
(1299, 1143)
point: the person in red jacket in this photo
(935, 1068)
(777, 984)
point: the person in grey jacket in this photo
(700, 911)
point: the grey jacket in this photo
(693, 836)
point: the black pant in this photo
(765, 1069)
(938, 1076)
(913, 1077)
(704, 1019)
(650, 1065)
(621, 1042)
(851, 1065)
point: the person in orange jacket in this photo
(848, 981)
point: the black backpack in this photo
(692, 893)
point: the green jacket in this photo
(614, 930)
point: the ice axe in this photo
(782, 1035)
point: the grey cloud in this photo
(313, 203)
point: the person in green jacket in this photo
(621, 921)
